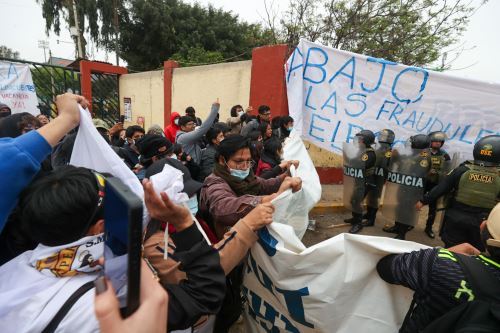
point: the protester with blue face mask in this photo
(232, 190)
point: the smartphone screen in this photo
(123, 233)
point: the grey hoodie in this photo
(190, 140)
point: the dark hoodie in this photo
(171, 130)
(4, 113)
(12, 126)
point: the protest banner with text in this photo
(333, 94)
(17, 89)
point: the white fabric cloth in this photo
(93, 152)
(170, 181)
(29, 298)
(293, 208)
(330, 287)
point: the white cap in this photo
(493, 226)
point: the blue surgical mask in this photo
(241, 174)
(192, 204)
(289, 129)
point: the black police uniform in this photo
(365, 184)
(475, 191)
(438, 161)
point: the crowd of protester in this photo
(49, 206)
(231, 170)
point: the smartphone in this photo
(122, 119)
(123, 236)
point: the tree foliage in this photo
(94, 17)
(155, 30)
(152, 31)
(6, 52)
(413, 32)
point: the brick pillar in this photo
(168, 70)
(89, 67)
(267, 85)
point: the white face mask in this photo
(241, 113)
(192, 203)
(176, 121)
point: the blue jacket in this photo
(20, 160)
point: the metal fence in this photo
(52, 80)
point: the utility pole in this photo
(77, 32)
(115, 21)
(43, 44)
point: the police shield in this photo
(448, 166)
(406, 175)
(355, 157)
(383, 156)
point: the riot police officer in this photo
(383, 155)
(439, 161)
(475, 186)
(362, 174)
(405, 185)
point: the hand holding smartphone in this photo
(123, 235)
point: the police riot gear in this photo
(408, 169)
(368, 137)
(479, 186)
(487, 151)
(420, 141)
(386, 136)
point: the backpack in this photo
(479, 315)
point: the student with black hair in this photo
(263, 116)
(256, 147)
(227, 196)
(179, 154)
(191, 112)
(286, 126)
(271, 163)
(152, 148)
(189, 138)
(130, 153)
(214, 137)
(265, 130)
(64, 211)
(237, 118)
(233, 190)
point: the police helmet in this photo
(420, 141)
(386, 136)
(368, 137)
(487, 151)
(438, 136)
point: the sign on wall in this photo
(127, 105)
(17, 89)
(334, 94)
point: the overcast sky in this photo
(22, 25)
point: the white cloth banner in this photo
(332, 286)
(333, 94)
(17, 89)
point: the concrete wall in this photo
(146, 91)
(200, 86)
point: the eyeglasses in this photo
(244, 164)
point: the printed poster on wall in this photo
(17, 89)
(333, 94)
(127, 105)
